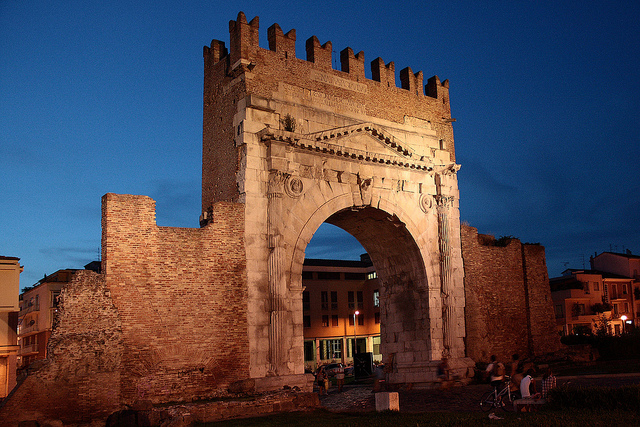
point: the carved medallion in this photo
(426, 202)
(294, 187)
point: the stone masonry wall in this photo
(181, 295)
(508, 299)
(80, 379)
(246, 69)
(544, 336)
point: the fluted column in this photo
(444, 202)
(277, 285)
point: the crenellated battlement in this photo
(244, 45)
(319, 54)
(284, 44)
(352, 64)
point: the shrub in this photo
(620, 398)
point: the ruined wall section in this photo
(181, 295)
(508, 298)
(544, 336)
(276, 73)
(80, 379)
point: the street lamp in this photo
(624, 323)
(355, 313)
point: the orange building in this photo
(582, 297)
(627, 265)
(37, 310)
(340, 303)
(10, 270)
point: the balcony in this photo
(29, 308)
(28, 349)
(24, 330)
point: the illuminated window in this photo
(336, 348)
(376, 298)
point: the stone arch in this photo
(399, 246)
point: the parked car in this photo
(332, 368)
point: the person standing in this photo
(340, 376)
(321, 378)
(495, 370)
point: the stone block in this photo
(387, 401)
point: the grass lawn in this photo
(601, 367)
(578, 418)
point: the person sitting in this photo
(548, 382)
(443, 372)
(528, 389)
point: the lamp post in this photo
(624, 323)
(355, 313)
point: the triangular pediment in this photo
(364, 141)
(365, 136)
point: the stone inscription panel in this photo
(321, 100)
(338, 81)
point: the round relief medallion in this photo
(426, 202)
(294, 187)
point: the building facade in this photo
(589, 301)
(627, 265)
(38, 305)
(341, 305)
(10, 270)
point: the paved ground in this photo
(459, 399)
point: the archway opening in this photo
(365, 293)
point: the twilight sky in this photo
(99, 97)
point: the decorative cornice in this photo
(402, 155)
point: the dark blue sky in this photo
(100, 97)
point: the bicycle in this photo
(502, 399)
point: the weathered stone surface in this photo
(508, 298)
(288, 144)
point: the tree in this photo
(602, 325)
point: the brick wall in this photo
(166, 322)
(181, 296)
(508, 300)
